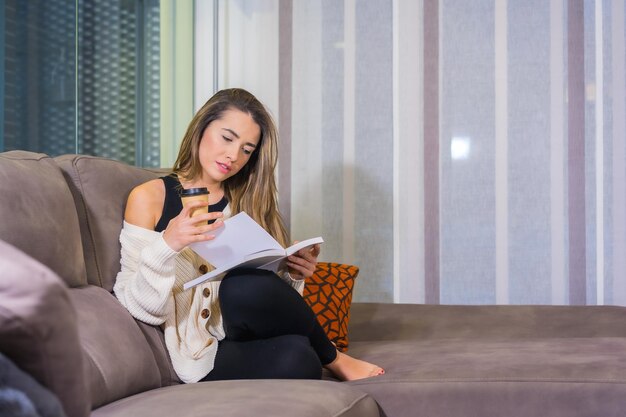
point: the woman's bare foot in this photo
(347, 368)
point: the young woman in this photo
(254, 323)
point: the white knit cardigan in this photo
(150, 286)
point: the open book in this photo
(242, 242)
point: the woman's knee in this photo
(249, 286)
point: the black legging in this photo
(270, 331)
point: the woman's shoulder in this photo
(145, 203)
(149, 188)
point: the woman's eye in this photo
(247, 151)
(227, 139)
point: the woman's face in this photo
(227, 144)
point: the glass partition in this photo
(38, 76)
(81, 76)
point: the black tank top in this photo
(172, 205)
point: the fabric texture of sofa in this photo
(60, 324)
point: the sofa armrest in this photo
(38, 330)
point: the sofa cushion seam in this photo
(90, 352)
(351, 405)
(87, 221)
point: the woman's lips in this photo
(223, 168)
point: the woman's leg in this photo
(257, 304)
(281, 357)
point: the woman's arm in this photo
(148, 258)
(145, 281)
(144, 208)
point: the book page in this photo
(242, 242)
(276, 264)
(257, 260)
(239, 238)
(304, 244)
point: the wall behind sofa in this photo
(457, 152)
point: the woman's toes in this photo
(378, 371)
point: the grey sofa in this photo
(59, 322)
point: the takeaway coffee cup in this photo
(195, 194)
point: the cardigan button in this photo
(204, 313)
(206, 292)
(203, 269)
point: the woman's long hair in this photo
(253, 189)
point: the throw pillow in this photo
(329, 294)
(21, 395)
(39, 330)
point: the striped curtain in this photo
(458, 152)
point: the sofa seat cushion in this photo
(544, 376)
(243, 398)
(119, 361)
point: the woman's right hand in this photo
(183, 229)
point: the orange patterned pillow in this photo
(329, 294)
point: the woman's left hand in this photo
(302, 264)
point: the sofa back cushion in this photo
(38, 215)
(101, 187)
(38, 328)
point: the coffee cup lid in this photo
(193, 191)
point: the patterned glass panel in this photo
(117, 74)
